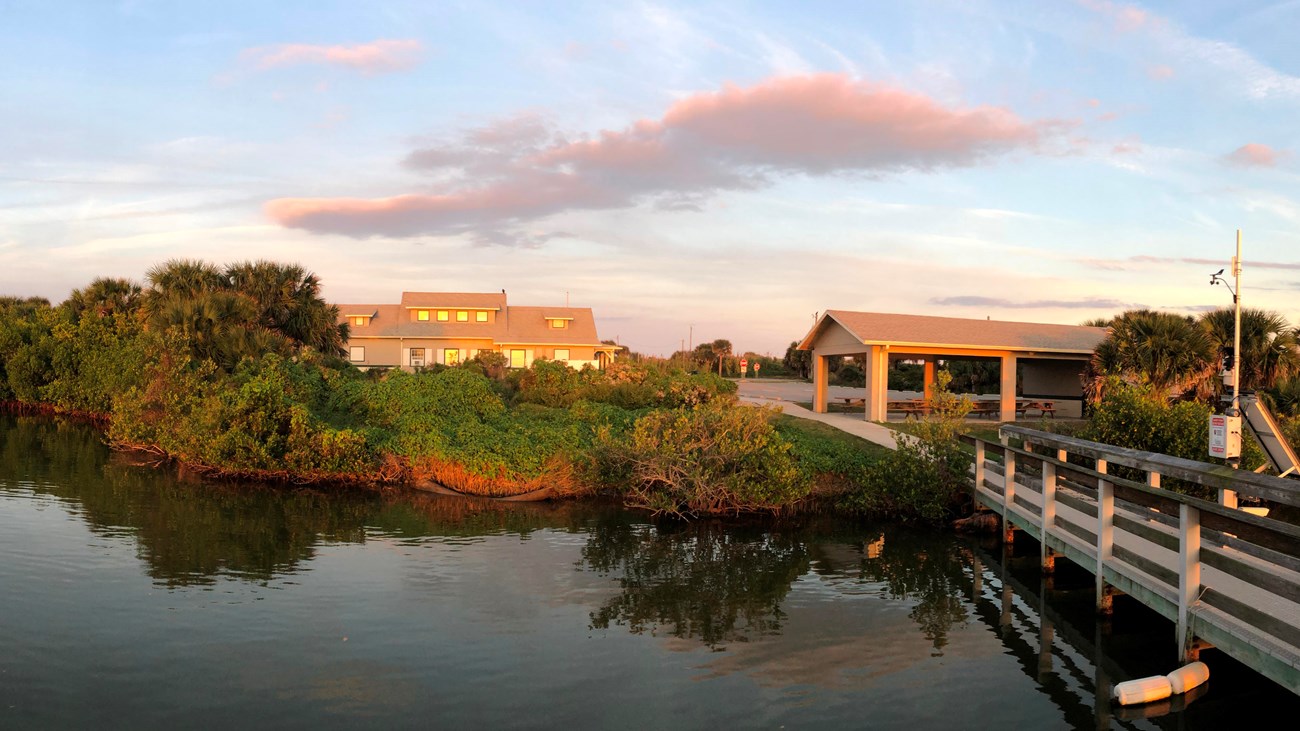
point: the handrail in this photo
(1247, 617)
(1025, 456)
(1221, 477)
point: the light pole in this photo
(1235, 408)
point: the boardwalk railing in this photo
(1225, 577)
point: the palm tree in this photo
(288, 299)
(1268, 345)
(105, 296)
(1171, 353)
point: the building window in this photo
(462, 316)
(442, 315)
(451, 356)
(358, 321)
(559, 324)
(480, 316)
(562, 354)
(518, 358)
(422, 315)
(357, 353)
(417, 357)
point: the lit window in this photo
(562, 354)
(422, 315)
(357, 353)
(559, 324)
(451, 356)
(358, 321)
(462, 316)
(442, 315)
(480, 316)
(518, 358)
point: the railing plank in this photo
(1268, 487)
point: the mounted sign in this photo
(756, 367)
(1225, 436)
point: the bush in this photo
(925, 477)
(712, 459)
(1139, 417)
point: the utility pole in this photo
(692, 332)
(1236, 340)
(1234, 409)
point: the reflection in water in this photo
(833, 611)
(914, 566)
(695, 580)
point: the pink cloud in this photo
(1124, 18)
(1253, 154)
(734, 139)
(376, 57)
(1160, 72)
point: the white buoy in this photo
(1188, 676)
(1143, 690)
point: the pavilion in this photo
(1051, 357)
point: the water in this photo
(135, 597)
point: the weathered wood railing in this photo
(1224, 576)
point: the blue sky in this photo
(736, 167)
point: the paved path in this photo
(785, 393)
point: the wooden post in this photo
(1007, 392)
(1048, 515)
(1105, 535)
(1008, 491)
(821, 376)
(1189, 574)
(1228, 498)
(979, 468)
(1153, 478)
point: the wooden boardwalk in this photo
(1225, 577)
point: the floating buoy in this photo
(1160, 687)
(1143, 690)
(1188, 676)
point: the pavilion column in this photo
(877, 371)
(821, 376)
(1008, 389)
(928, 379)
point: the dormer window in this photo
(462, 316)
(358, 321)
(422, 315)
(480, 316)
(559, 324)
(442, 315)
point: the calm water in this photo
(133, 597)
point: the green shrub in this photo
(925, 477)
(1138, 417)
(715, 458)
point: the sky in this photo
(689, 171)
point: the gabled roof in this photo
(450, 300)
(878, 328)
(530, 325)
(513, 325)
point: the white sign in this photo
(1225, 436)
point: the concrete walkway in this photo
(783, 394)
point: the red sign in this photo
(756, 365)
(744, 364)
